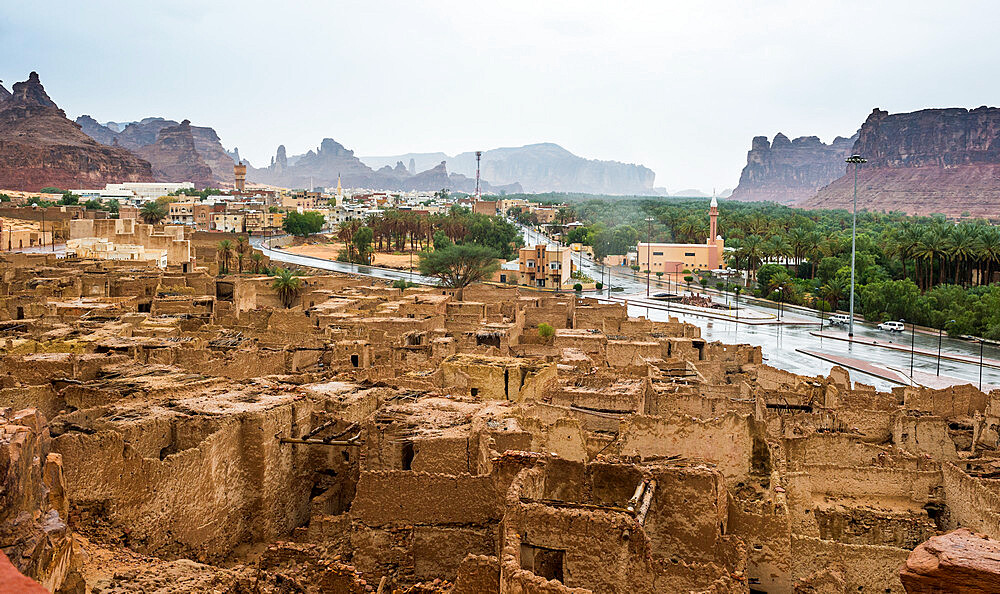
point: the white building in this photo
(146, 191)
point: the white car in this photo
(891, 326)
(838, 319)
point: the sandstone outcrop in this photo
(175, 157)
(929, 161)
(40, 147)
(207, 149)
(542, 167)
(33, 504)
(960, 562)
(786, 171)
(321, 167)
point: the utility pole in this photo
(856, 160)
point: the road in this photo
(280, 255)
(778, 342)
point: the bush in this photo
(545, 330)
(402, 284)
(577, 287)
(599, 285)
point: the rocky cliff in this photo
(929, 161)
(320, 168)
(175, 158)
(786, 171)
(207, 148)
(544, 167)
(40, 147)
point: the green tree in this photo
(225, 252)
(362, 242)
(288, 286)
(152, 212)
(458, 266)
(303, 224)
(546, 331)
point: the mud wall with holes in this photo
(727, 441)
(972, 502)
(192, 486)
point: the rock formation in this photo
(4, 93)
(543, 167)
(321, 167)
(95, 130)
(175, 157)
(786, 171)
(40, 147)
(207, 147)
(929, 161)
(33, 530)
(959, 562)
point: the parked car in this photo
(838, 319)
(891, 326)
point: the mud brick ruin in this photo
(171, 430)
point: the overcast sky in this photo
(680, 87)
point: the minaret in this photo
(713, 220)
(340, 190)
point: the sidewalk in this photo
(987, 362)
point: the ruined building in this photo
(167, 429)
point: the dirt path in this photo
(329, 251)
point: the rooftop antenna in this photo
(479, 155)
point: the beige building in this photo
(97, 248)
(129, 232)
(258, 221)
(546, 266)
(673, 258)
(228, 222)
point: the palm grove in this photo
(458, 248)
(926, 270)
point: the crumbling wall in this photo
(238, 484)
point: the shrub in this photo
(545, 330)
(599, 285)
(578, 287)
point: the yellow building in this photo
(672, 258)
(548, 266)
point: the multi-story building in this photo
(548, 266)
(301, 201)
(674, 258)
(146, 191)
(181, 213)
(229, 222)
(260, 222)
(203, 214)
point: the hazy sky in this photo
(680, 87)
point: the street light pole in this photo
(913, 337)
(980, 364)
(649, 251)
(856, 160)
(940, 331)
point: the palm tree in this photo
(257, 261)
(288, 285)
(152, 212)
(241, 251)
(225, 251)
(832, 292)
(752, 251)
(989, 252)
